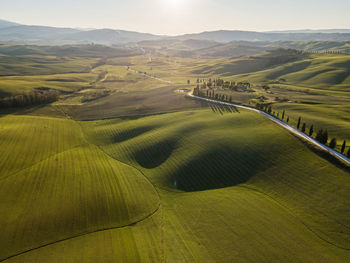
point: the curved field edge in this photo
(315, 190)
(134, 243)
(243, 226)
(70, 193)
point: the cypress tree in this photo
(287, 119)
(319, 135)
(333, 143)
(311, 130)
(343, 147)
(283, 115)
(299, 121)
(349, 152)
(269, 110)
(325, 137)
(303, 129)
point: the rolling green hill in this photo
(202, 150)
(268, 59)
(315, 87)
(201, 184)
(55, 186)
(226, 190)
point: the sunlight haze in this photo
(180, 16)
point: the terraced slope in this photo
(56, 186)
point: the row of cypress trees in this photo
(321, 135)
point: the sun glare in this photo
(175, 3)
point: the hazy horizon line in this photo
(179, 34)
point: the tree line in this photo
(321, 135)
(220, 83)
(36, 97)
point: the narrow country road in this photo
(149, 76)
(284, 125)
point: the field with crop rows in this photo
(124, 167)
(196, 151)
(56, 186)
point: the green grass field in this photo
(145, 174)
(57, 186)
(316, 86)
(226, 190)
(181, 152)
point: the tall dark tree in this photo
(325, 137)
(284, 112)
(269, 110)
(333, 143)
(288, 119)
(303, 129)
(299, 122)
(319, 135)
(343, 147)
(348, 154)
(311, 131)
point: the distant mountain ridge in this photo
(43, 35)
(226, 36)
(326, 31)
(5, 24)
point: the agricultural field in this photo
(124, 167)
(55, 186)
(143, 190)
(312, 86)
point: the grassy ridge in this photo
(43, 65)
(252, 151)
(232, 187)
(328, 74)
(318, 88)
(139, 243)
(64, 82)
(239, 225)
(279, 201)
(70, 188)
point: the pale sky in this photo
(180, 16)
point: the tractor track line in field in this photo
(290, 212)
(155, 187)
(129, 165)
(83, 234)
(102, 229)
(42, 160)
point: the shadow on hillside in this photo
(218, 168)
(325, 155)
(221, 109)
(154, 155)
(21, 110)
(132, 133)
